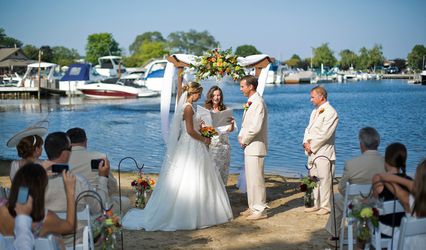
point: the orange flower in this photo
(321, 111)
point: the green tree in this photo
(101, 44)
(191, 42)
(7, 41)
(376, 57)
(416, 57)
(246, 50)
(146, 51)
(47, 54)
(64, 56)
(30, 51)
(153, 36)
(348, 59)
(294, 61)
(304, 64)
(323, 55)
(363, 59)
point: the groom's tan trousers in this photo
(255, 180)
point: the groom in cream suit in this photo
(253, 138)
(318, 143)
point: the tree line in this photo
(153, 44)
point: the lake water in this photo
(123, 128)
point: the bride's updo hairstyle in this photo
(192, 88)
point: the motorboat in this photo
(77, 75)
(110, 66)
(113, 88)
(154, 74)
(42, 75)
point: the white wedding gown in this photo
(189, 193)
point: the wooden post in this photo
(260, 65)
(180, 65)
(39, 77)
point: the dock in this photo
(27, 92)
(399, 76)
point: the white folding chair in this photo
(388, 207)
(352, 190)
(86, 245)
(83, 215)
(48, 243)
(412, 233)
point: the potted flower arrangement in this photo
(365, 212)
(217, 63)
(143, 186)
(105, 228)
(308, 183)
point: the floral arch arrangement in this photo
(217, 63)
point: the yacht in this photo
(110, 66)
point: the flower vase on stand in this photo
(308, 199)
(109, 243)
(363, 234)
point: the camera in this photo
(95, 164)
(58, 168)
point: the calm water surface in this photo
(124, 128)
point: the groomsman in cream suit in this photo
(318, 143)
(253, 138)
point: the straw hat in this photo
(40, 129)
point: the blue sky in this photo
(277, 28)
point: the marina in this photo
(131, 127)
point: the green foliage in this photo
(7, 41)
(47, 54)
(217, 63)
(153, 36)
(64, 56)
(191, 42)
(145, 52)
(368, 59)
(348, 58)
(30, 51)
(308, 183)
(101, 44)
(416, 57)
(294, 61)
(246, 50)
(400, 63)
(323, 55)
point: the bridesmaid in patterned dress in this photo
(220, 149)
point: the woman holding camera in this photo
(34, 177)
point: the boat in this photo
(110, 66)
(299, 77)
(48, 83)
(113, 89)
(154, 74)
(423, 77)
(77, 75)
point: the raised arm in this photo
(187, 116)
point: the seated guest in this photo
(80, 163)
(29, 146)
(412, 195)
(46, 222)
(58, 150)
(357, 171)
(395, 163)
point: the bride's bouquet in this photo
(208, 131)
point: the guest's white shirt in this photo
(24, 238)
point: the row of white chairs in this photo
(410, 226)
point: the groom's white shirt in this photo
(254, 128)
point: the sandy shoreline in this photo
(287, 226)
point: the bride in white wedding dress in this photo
(189, 193)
